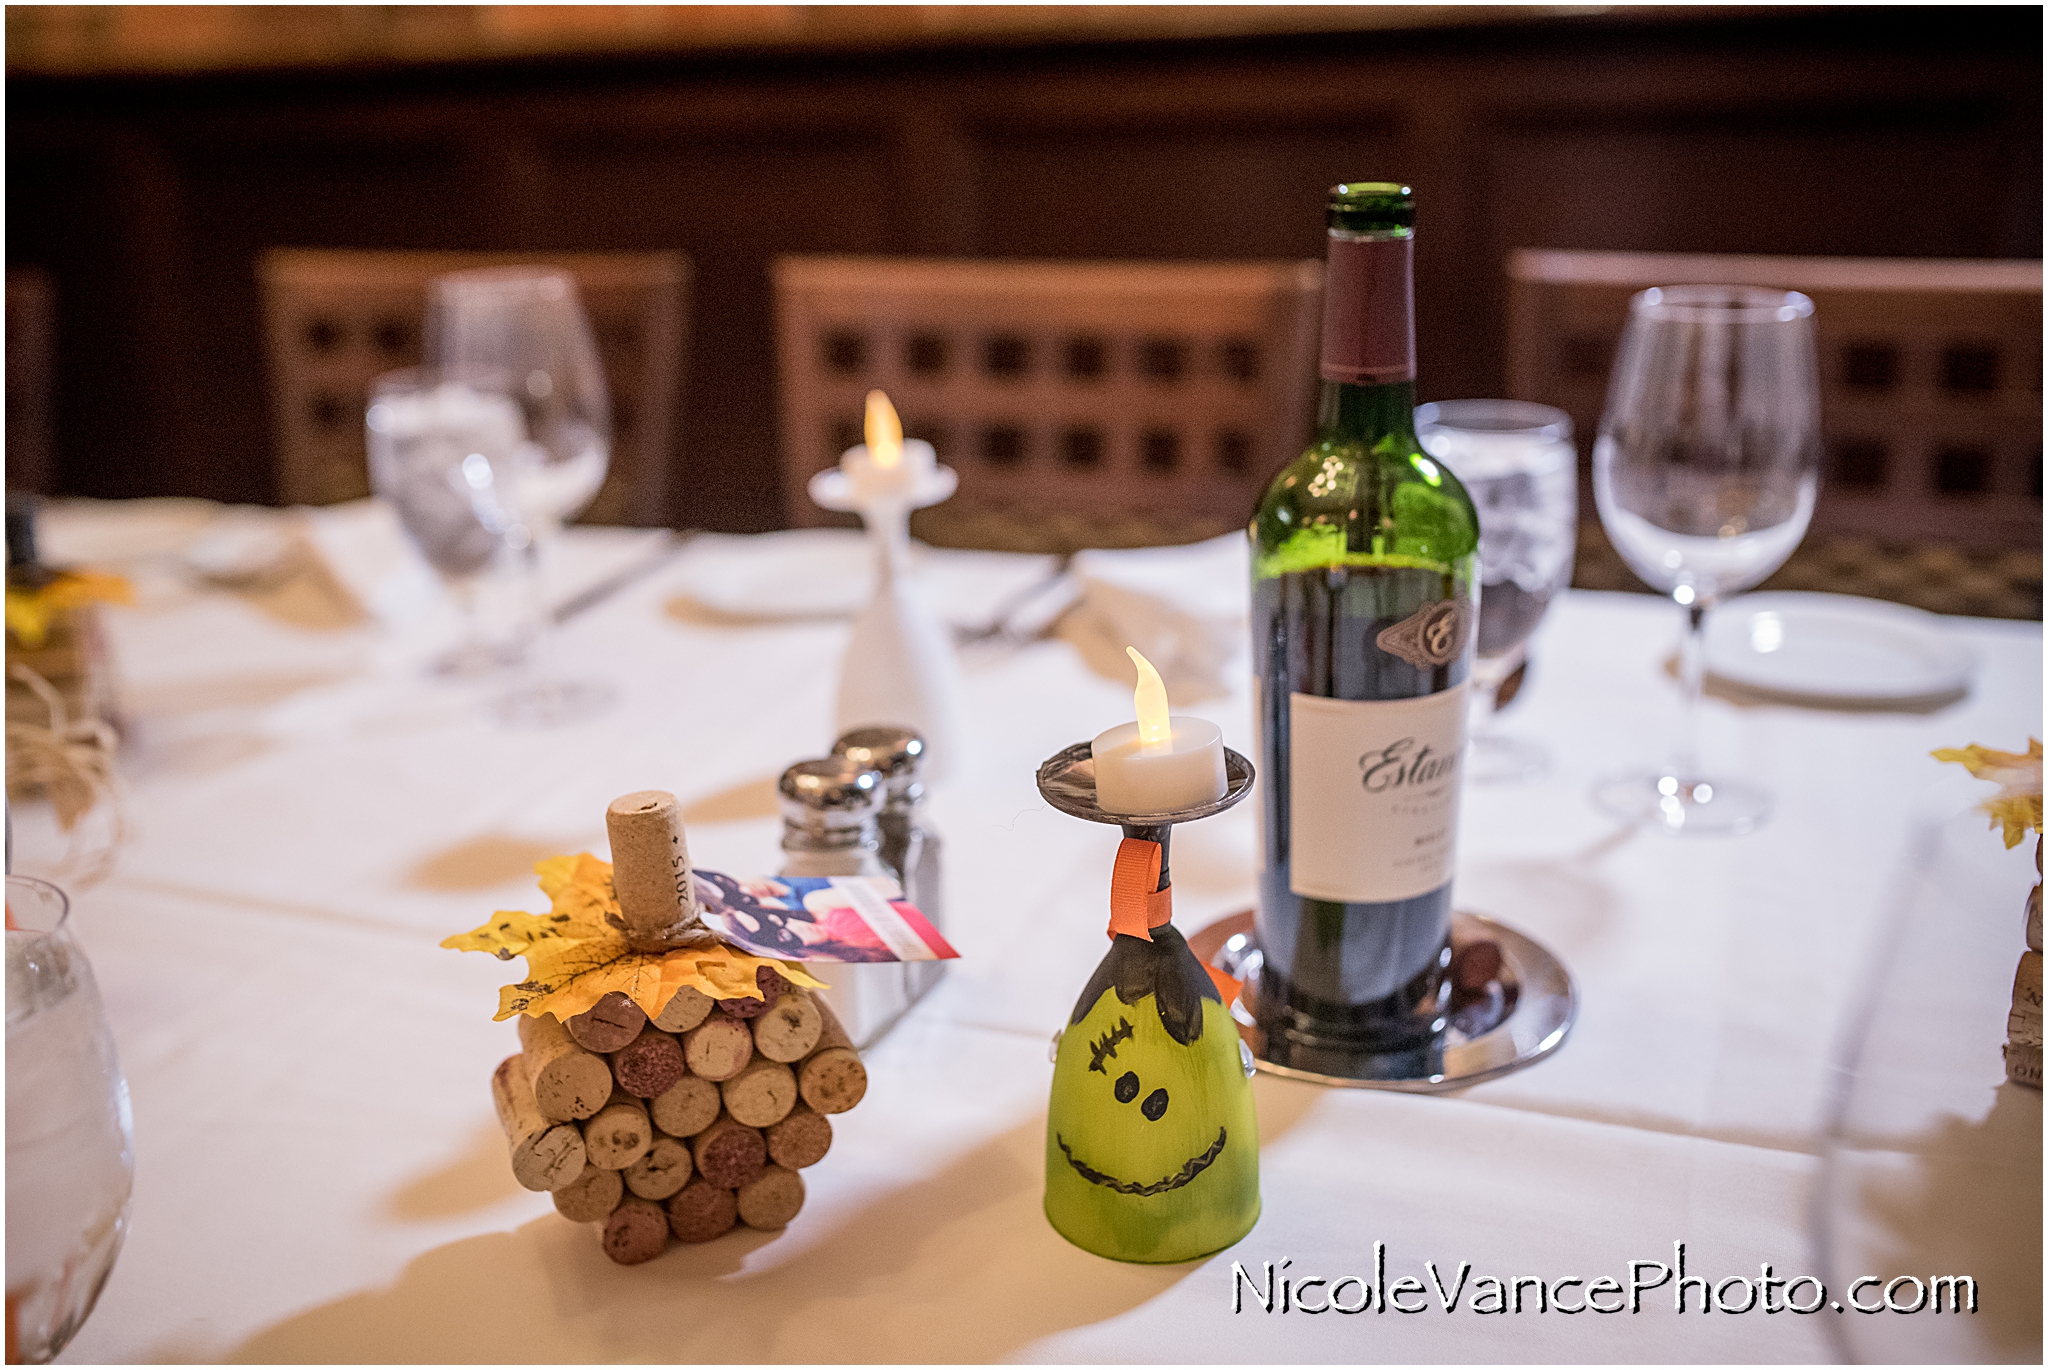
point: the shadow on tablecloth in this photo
(961, 1266)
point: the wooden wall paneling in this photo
(730, 205)
(31, 452)
(156, 194)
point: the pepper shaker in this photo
(909, 848)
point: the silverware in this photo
(998, 625)
(664, 552)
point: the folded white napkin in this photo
(1186, 608)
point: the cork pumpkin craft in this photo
(1151, 1143)
(668, 1086)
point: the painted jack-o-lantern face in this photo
(1152, 1148)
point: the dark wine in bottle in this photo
(1364, 609)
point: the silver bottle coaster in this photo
(1526, 1017)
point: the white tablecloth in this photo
(319, 1175)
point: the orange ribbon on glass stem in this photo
(1136, 903)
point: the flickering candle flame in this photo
(1155, 726)
(1158, 764)
(884, 432)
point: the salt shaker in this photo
(830, 809)
(829, 812)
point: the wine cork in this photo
(568, 1082)
(789, 1031)
(772, 986)
(608, 1024)
(760, 1095)
(831, 1032)
(650, 868)
(648, 1064)
(636, 1231)
(665, 1169)
(728, 1153)
(686, 1107)
(832, 1080)
(1475, 965)
(592, 1197)
(2033, 928)
(771, 1199)
(546, 1154)
(702, 1210)
(619, 1135)
(800, 1140)
(688, 1008)
(718, 1048)
(2024, 1023)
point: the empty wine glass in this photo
(1705, 473)
(440, 443)
(70, 1138)
(528, 325)
(1518, 463)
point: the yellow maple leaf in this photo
(32, 609)
(2017, 805)
(576, 953)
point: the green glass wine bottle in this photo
(1364, 602)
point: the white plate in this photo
(802, 573)
(1835, 648)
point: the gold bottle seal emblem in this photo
(1432, 636)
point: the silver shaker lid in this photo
(833, 794)
(897, 752)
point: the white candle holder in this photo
(899, 668)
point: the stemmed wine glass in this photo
(527, 325)
(1705, 473)
(70, 1138)
(1518, 463)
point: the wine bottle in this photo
(1364, 603)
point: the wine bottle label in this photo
(1432, 636)
(1373, 789)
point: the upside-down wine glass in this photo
(70, 1141)
(1705, 473)
(1518, 463)
(528, 325)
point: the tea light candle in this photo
(1162, 763)
(886, 467)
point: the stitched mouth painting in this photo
(1152, 1146)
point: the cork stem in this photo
(651, 873)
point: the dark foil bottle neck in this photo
(1369, 307)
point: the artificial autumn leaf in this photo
(32, 609)
(2017, 805)
(575, 954)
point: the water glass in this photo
(441, 444)
(1518, 463)
(1705, 473)
(70, 1139)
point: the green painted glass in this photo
(1151, 1138)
